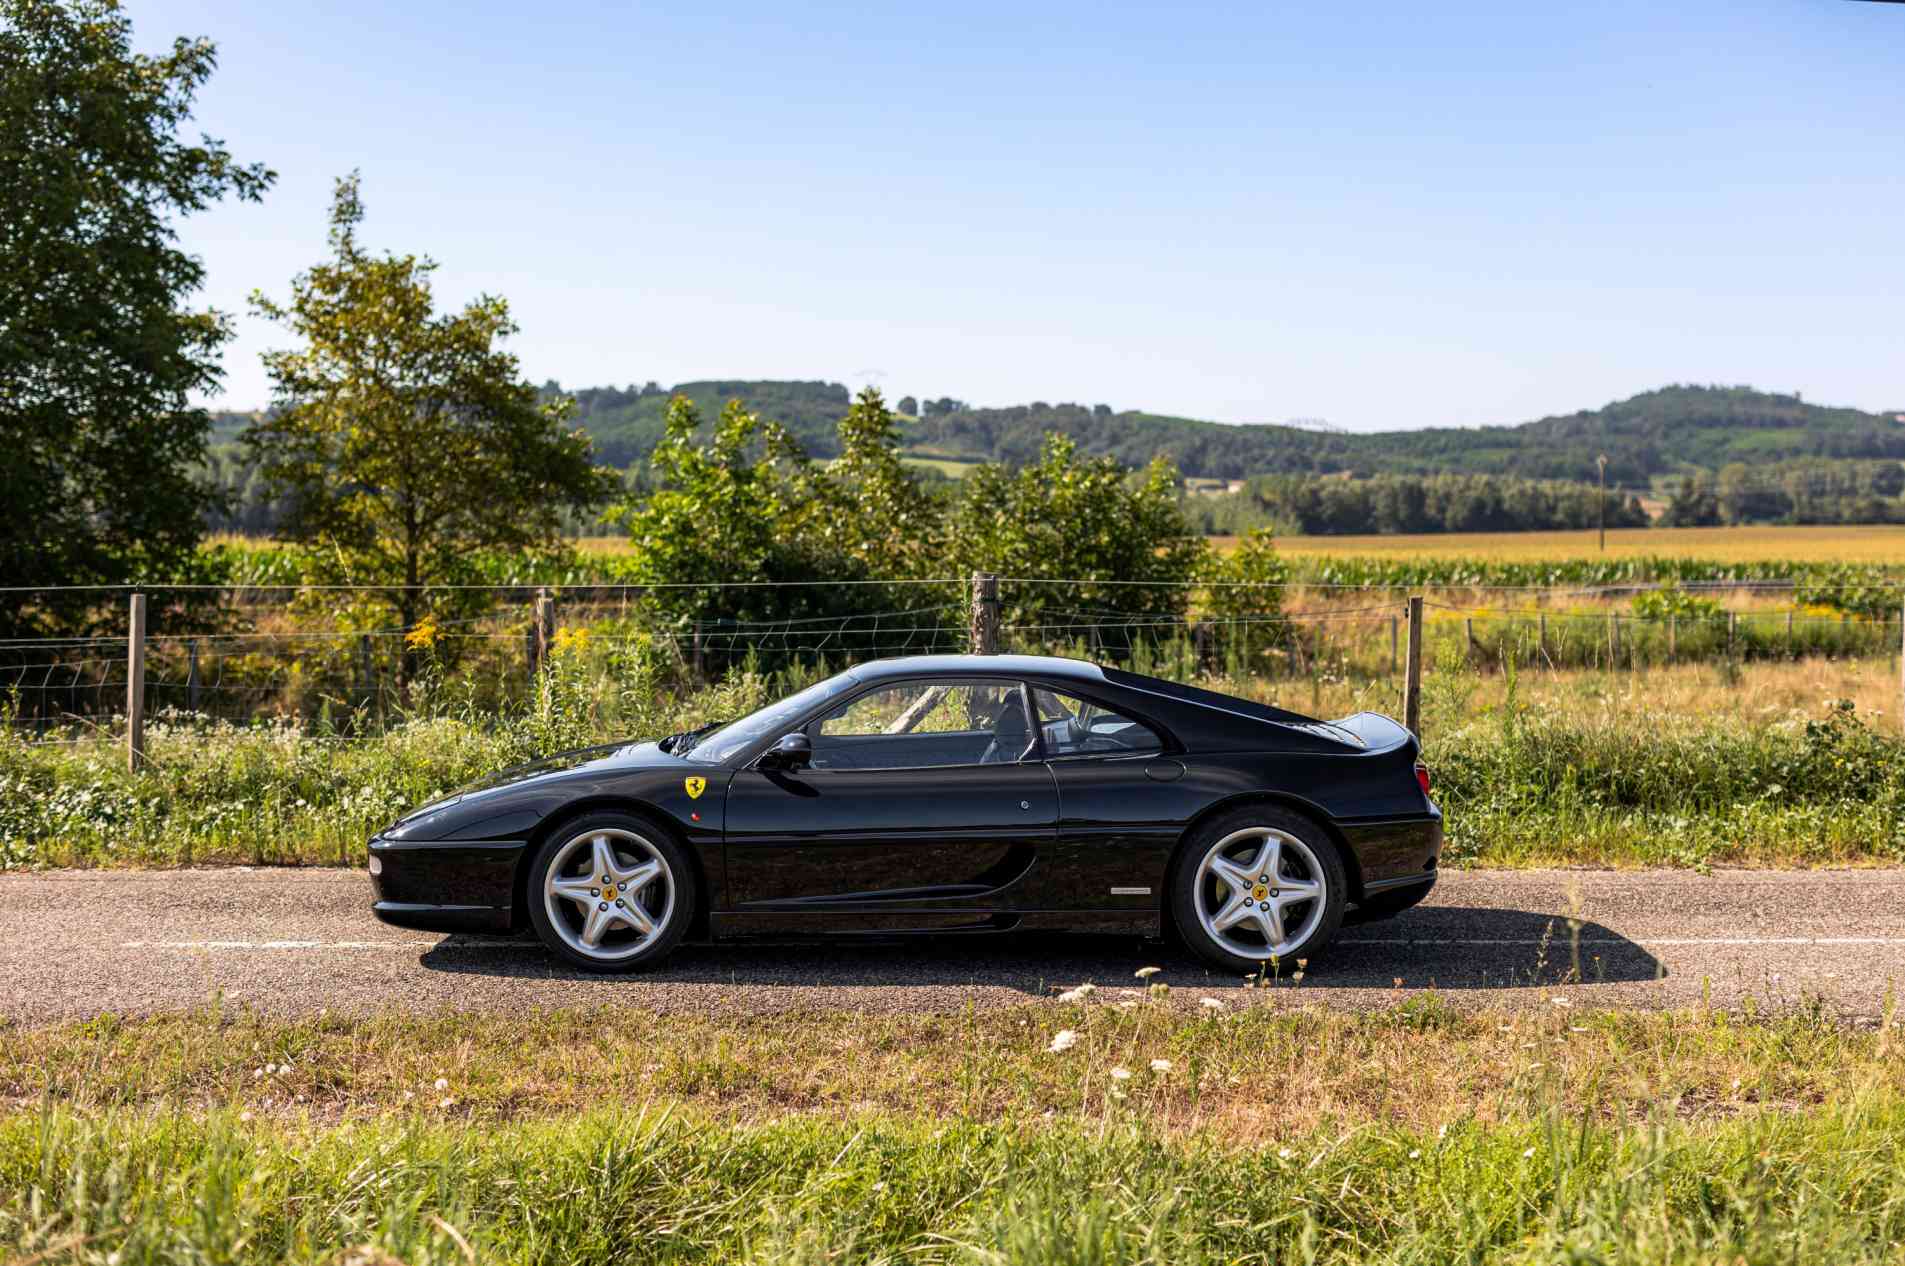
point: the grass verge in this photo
(1411, 1134)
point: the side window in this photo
(1078, 727)
(918, 724)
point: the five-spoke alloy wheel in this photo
(1255, 885)
(610, 892)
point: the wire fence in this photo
(295, 659)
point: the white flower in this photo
(245, 1115)
(1561, 1002)
(442, 1084)
(271, 1070)
(1121, 1074)
(1415, 1153)
(1527, 1155)
(1079, 994)
(1284, 1153)
(1160, 1065)
(408, 1095)
(1063, 1041)
(1212, 1004)
(1145, 973)
(1127, 1004)
(257, 1074)
(446, 1102)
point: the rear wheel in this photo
(610, 892)
(1258, 884)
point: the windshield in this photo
(774, 719)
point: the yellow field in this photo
(1858, 544)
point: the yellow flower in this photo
(572, 640)
(424, 635)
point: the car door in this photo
(1120, 808)
(924, 804)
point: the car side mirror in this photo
(792, 751)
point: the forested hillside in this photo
(1671, 431)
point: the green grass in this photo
(1666, 768)
(622, 1184)
(1414, 1133)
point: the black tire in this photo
(1387, 905)
(563, 923)
(1316, 860)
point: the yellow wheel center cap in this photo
(1259, 892)
(609, 893)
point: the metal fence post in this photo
(191, 675)
(1412, 684)
(984, 630)
(1395, 640)
(136, 685)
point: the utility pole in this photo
(1601, 501)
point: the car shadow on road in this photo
(1445, 947)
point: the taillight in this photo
(1422, 777)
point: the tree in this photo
(878, 515)
(909, 406)
(404, 441)
(1088, 520)
(99, 356)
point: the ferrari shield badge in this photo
(695, 785)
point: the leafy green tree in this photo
(742, 538)
(405, 440)
(877, 513)
(99, 354)
(1119, 533)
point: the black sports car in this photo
(951, 793)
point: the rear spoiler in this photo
(1372, 731)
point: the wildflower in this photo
(1561, 1002)
(245, 1115)
(443, 1083)
(1160, 1065)
(1415, 1153)
(1063, 1041)
(1121, 1074)
(445, 1102)
(257, 1074)
(1284, 1153)
(1529, 1154)
(1211, 1004)
(1127, 1004)
(1145, 973)
(423, 636)
(1079, 994)
(572, 640)
(271, 1070)
(408, 1095)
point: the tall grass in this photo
(1781, 764)
(631, 1185)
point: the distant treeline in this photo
(1410, 504)
(1796, 492)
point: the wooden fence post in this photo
(1673, 637)
(136, 685)
(1412, 684)
(1732, 625)
(1901, 668)
(529, 651)
(985, 613)
(1395, 640)
(1613, 640)
(1541, 636)
(545, 627)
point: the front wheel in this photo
(610, 892)
(1256, 885)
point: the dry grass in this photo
(1250, 1076)
(1869, 543)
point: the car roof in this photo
(1047, 666)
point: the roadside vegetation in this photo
(1152, 1133)
(1773, 764)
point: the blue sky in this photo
(1380, 214)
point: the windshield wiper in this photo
(676, 744)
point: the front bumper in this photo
(446, 886)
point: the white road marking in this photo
(1553, 942)
(317, 945)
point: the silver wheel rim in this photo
(1260, 893)
(608, 894)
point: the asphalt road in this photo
(296, 941)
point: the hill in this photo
(1665, 432)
